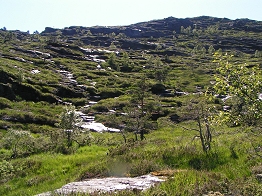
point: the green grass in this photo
(40, 113)
(169, 148)
(45, 172)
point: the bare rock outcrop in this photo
(109, 184)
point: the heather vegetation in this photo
(182, 98)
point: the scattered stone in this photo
(226, 108)
(226, 98)
(180, 93)
(260, 96)
(35, 71)
(92, 102)
(93, 83)
(47, 55)
(113, 130)
(259, 177)
(212, 193)
(88, 50)
(20, 59)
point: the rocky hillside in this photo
(130, 37)
(82, 64)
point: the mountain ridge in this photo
(171, 22)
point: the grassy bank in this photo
(228, 168)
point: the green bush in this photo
(7, 171)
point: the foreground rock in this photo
(107, 185)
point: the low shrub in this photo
(5, 103)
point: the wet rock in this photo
(181, 93)
(96, 126)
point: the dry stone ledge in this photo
(107, 185)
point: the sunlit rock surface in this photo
(107, 185)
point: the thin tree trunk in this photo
(201, 134)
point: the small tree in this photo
(20, 76)
(157, 70)
(136, 121)
(160, 70)
(242, 85)
(188, 30)
(139, 110)
(121, 36)
(211, 50)
(68, 123)
(201, 112)
(112, 35)
(89, 33)
(112, 62)
(258, 54)
(125, 62)
(199, 50)
(182, 29)
(112, 46)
